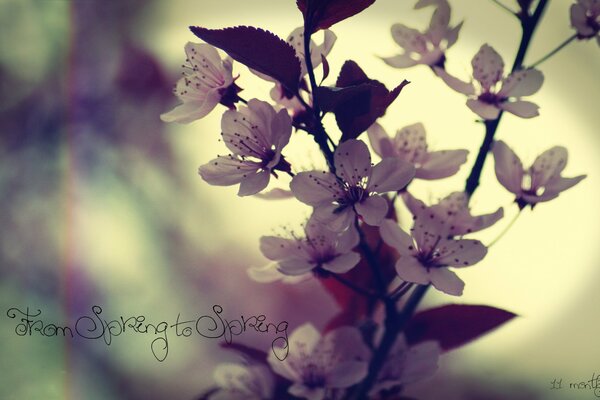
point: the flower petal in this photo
(295, 266)
(447, 281)
(352, 161)
(561, 184)
(254, 183)
(439, 23)
(455, 83)
(335, 219)
(509, 169)
(409, 39)
(373, 209)
(548, 165)
(410, 143)
(484, 110)
(192, 110)
(421, 362)
(342, 263)
(315, 187)
(227, 170)
(488, 67)
(390, 175)
(277, 248)
(522, 83)
(452, 35)
(442, 164)
(400, 61)
(523, 109)
(394, 236)
(460, 253)
(347, 240)
(346, 374)
(380, 141)
(409, 269)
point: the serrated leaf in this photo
(258, 49)
(321, 14)
(454, 325)
(360, 108)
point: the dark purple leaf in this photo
(249, 352)
(257, 49)
(359, 100)
(321, 14)
(325, 64)
(332, 97)
(454, 325)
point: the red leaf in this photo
(454, 325)
(360, 108)
(321, 14)
(257, 49)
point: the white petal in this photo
(199, 51)
(488, 66)
(400, 61)
(413, 204)
(460, 253)
(409, 39)
(523, 109)
(335, 219)
(409, 269)
(463, 222)
(446, 281)
(226, 171)
(455, 83)
(192, 110)
(522, 83)
(394, 236)
(561, 184)
(390, 175)
(484, 110)
(439, 23)
(442, 164)
(254, 183)
(352, 161)
(269, 273)
(421, 362)
(380, 141)
(373, 210)
(315, 187)
(346, 374)
(348, 240)
(281, 130)
(547, 165)
(343, 263)
(410, 143)
(509, 169)
(296, 266)
(277, 248)
(276, 194)
(346, 343)
(452, 35)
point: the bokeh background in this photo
(101, 203)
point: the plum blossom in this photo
(355, 190)
(585, 18)
(316, 363)
(454, 208)
(207, 81)
(425, 254)
(493, 92)
(320, 248)
(410, 145)
(270, 273)
(542, 182)
(427, 47)
(407, 364)
(243, 382)
(255, 134)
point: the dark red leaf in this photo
(321, 14)
(325, 64)
(355, 110)
(260, 50)
(332, 97)
(454, 325)
(249, 352)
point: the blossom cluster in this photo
(355, 202)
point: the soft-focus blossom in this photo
(206, 82)
(243, 382)
(542, 182)
(316, 363)
(255, 134)
(270, 273)
(407, 364)
(320, 248)
(355, 190)
(427, 47)
(425, 254)
(410, 145)
(585, 18)
(454, 208)
(493, 92)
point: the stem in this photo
(556, 50)
(354, 287)
(393, 326)
(505, 8)
(371, 260)
(528, 24)
(510, 224)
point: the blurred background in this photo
(101, 203)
